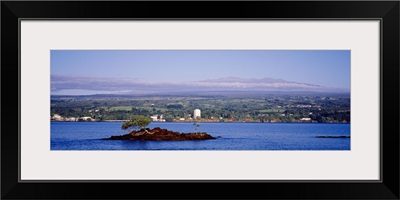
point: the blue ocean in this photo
(234, 136)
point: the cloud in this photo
(63, 82)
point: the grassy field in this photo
(272, 111)
(123, 108)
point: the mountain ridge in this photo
(140, 86)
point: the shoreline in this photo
(217, 122)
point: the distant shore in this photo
(294, 122)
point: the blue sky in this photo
(103, 71)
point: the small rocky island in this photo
(158, 134)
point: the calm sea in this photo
(234, 136)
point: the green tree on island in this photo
(137, 122)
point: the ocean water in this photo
(234, 136)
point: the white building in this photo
(305, 119)
(197, 114)
(86, 118)
(154, 118)
(71, 119)
(57, 117)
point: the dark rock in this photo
(158, 134)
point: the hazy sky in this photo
(328, 68)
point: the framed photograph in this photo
(150, 100)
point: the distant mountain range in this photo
(258, 84)
(135, 86)
(244, 80)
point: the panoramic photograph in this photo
(229, 100)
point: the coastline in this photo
(227, 122)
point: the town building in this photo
(197, 114)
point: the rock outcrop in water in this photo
(158, 134)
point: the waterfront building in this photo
(197, 114)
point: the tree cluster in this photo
(136, 122)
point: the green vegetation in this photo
(137, 122)
(121, 108)
(272, 111)
(319, 108)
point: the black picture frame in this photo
(13, 11)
